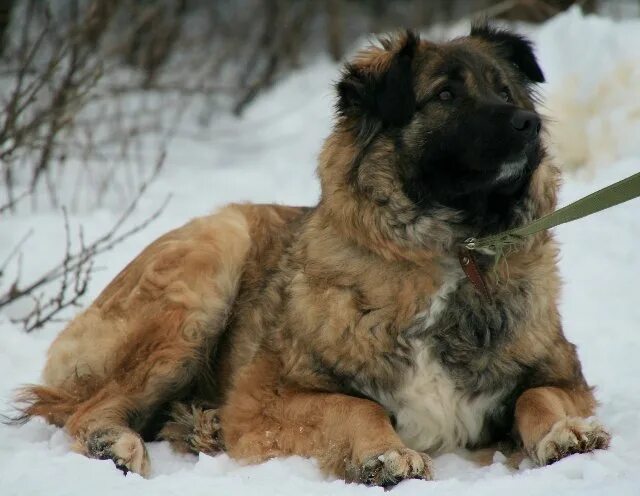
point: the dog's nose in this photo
(526, 122)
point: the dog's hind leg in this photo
(150, 334)
(99, 424)
(160, 366)
(124, 446)
(144, 340)
(108, 424)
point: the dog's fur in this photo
(348, 332)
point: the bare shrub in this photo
(61, 102)
(72, 275)
(46, 77)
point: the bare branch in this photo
(11, 203)
(15, 251)
(73, 272)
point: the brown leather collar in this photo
(470, 267)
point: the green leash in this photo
(608, 197)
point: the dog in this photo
(348, 332)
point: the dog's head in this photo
(431, 131)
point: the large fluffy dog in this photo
(348, 332)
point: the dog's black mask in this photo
(462, 119)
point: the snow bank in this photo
(270, 156)
(592, 66)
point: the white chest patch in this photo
(431, 414)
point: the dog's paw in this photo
(206, 436)
(569, 436)
(193, 429)
(124, 447)
(393, 466)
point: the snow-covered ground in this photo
(593, 67)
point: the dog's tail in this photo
(55, 405)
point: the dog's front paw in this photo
(392, 466)
(569, 436)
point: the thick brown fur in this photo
(344, 332)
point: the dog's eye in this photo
(505, 94)
(445, 95)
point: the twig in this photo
(74, 271)
(14, 201)
(15, 251)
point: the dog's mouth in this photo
(512, 169)
(518, 165)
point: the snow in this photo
(593, 71)
(593, 97)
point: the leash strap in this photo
(608, 197)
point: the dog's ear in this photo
(515, 48)
(377, 89)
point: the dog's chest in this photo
(432, 414)
(433, 408)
